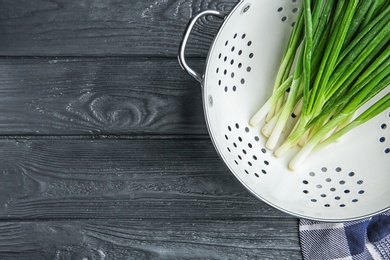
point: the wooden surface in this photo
(104, 149)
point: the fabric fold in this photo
(355, 240)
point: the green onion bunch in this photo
(337, 59)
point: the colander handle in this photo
(183, 43)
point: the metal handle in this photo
(186, 36)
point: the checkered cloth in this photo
(356, 240)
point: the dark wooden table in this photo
(104, 148)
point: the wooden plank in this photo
(145, 239)
(74, 96)
(121, 179)
(93, 27)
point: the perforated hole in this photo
(333, 187)
(287, 14)
(384, 138)
(233, 63)
(239, 142)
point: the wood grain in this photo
(121, 179)
(73, 96)
(101, 28)
(104, 151)
(146, 239)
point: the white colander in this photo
(348, 180)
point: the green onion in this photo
(342, 54)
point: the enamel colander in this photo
(348, 180)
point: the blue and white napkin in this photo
(356, 240)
